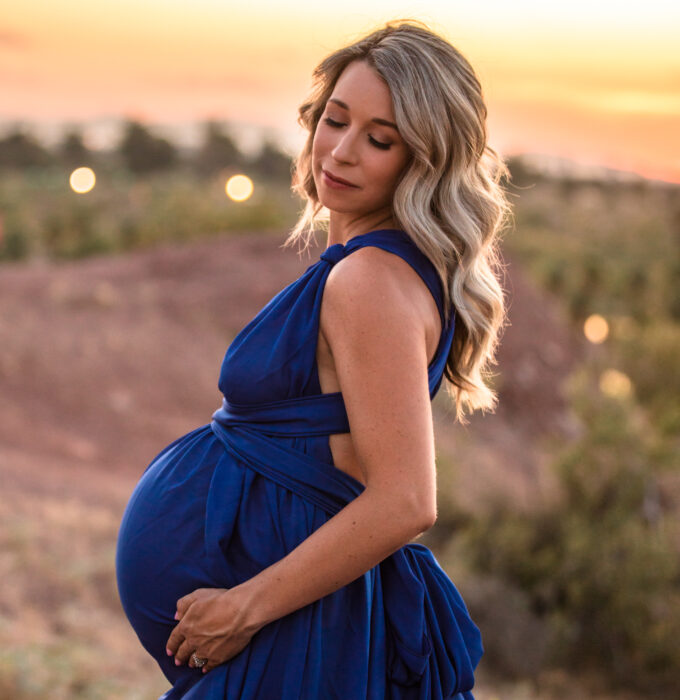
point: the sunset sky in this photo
(597, 82)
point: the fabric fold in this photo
(433, 646)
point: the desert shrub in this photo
(650, 357)
(74, 231)
(599, 565)
(516, 639)
(42, 216)
(14, 238)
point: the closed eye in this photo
(380, 144)
(374, 142)
(332, 122)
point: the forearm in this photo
(360, 536)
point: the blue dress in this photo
(232, 497)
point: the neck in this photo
(342, 226)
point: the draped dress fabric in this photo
(230, 498)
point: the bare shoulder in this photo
(372, 277)
(373, 289)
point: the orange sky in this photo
(597, 81)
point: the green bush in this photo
(42, 216)
(599, 565)
(14, 243)
(74, 232)
(650, 356)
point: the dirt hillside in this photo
(104, 361)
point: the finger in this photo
(174, 640)
(184, 602)
(183, 653)
(209, 667)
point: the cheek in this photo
(320, 144)
(389, 170)
(317, 153)
(315, 146)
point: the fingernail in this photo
(176, 662)
(205, 670)
(176, 616)
(168, 652)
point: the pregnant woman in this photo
(267, 554)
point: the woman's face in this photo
(357, 141)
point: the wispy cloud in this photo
(10, 39)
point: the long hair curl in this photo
(449, 198)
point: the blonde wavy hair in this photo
(449, 199)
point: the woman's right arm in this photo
(377, 337)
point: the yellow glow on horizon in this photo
(82, 180)
(585, 80)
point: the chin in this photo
(340, 208)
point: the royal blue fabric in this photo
(232, 497)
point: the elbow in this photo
(410, 514)
(424, 516)
(425, 508)
(428, 520)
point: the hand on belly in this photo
(214, 623)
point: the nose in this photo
(345, 148)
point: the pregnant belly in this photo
(160, 554)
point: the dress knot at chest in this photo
(334, 254)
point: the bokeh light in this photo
(82, 180)
(596, 329)
(615, 384)
(239, 188)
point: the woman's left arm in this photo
(366, 318)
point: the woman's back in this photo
(381, 277)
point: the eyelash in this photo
(377, 144)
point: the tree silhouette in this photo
(272, 163)
(217, 151)
(19, 149)
(72, 150)
(142, 152)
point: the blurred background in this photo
(145, 152)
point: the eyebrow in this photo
(377, 120)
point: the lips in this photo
(339, 179)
